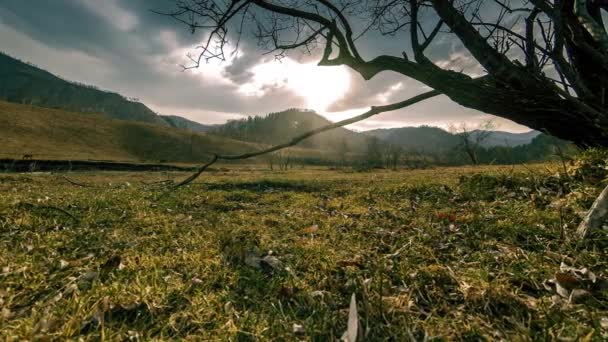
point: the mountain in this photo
(507, 139)
(280, 127)
(422, 139)
(27, 84)
(183, 123)
(436, 140)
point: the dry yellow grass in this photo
(454, 254)
(56, 134)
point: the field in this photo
(438, 254)
(53, 134)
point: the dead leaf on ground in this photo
(298, 329)
(567, 281)
(271, 262)
(310, 230)
(357, 261)
(352, 329)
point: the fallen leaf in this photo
(310, 230)
(567, 281)
(562, 291)
(353, 321)
(604, 323)
(298, 329)
(196, 281)
(63, 264)
(578, 296)
(357, 260)
(271, 261)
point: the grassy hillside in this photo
(56, 134)
(24, 83)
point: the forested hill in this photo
(427, 139)
(183, 123)
(422, 139)
(24, 83)
(276, 128)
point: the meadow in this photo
(248, 254)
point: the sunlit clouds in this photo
(319, 86)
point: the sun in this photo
(318, 86)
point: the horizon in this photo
(131, 51)
(244, 116)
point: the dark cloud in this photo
(239, 71)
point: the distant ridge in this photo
(423, 139)
(428, 139)
(279, 127)
(183, 123)
(25, 83)
(507, 139)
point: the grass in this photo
(446, 254)
(61, 135)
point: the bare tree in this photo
(545, 61)
(471, 140)
(342, 153)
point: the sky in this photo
(122, 46)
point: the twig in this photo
(50, 207)
(82, 185)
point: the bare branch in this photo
(375, 110)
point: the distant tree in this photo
(471, 140)
(374, 155)
(342, 152)
(393, 156)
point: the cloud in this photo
(120, 45)
(240, 70)
(110, 11)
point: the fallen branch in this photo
(49, 207)
(375, 110)
(595, 217)
(198, 172)
(82, 185)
